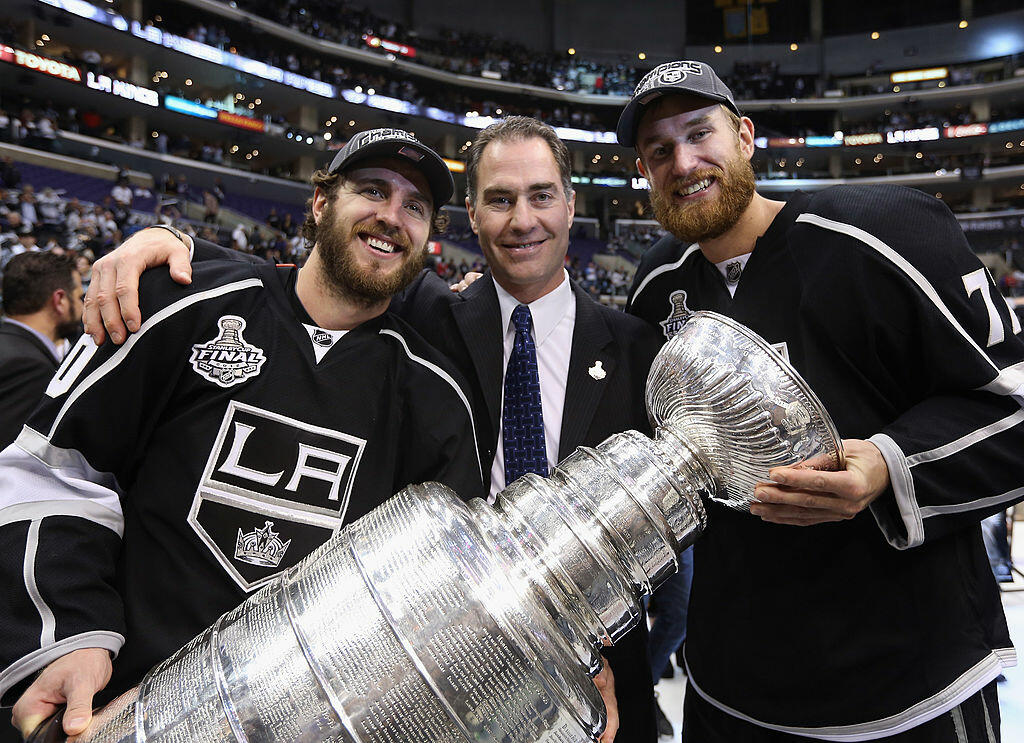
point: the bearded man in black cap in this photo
(252, 415)
(857, 604)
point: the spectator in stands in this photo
(9, 173)
(72, 215)
(211, 207)
(273, 220)
(239, 240)
(46, 133)
(50, 208)
(181, 187)
(83, 264)
(122, 192)
(42, 302)
(288, 226)
(27, 206)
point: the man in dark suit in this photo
(42, 301)
(591, 362)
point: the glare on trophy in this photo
(435, 621)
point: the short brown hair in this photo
(517, 129)
(329, 183)
(30, 279)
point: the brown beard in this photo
(708, 218)
(345, 277)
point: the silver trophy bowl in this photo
(720, 386)
(438, 621)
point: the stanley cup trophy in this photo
(437, 621)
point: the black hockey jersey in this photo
(864, 628)
(163, 480)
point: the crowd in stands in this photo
(474, 53)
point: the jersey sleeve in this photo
(63, 483)
(440, 437)
(952, 347)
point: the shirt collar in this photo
(57, 354)
(547, 311)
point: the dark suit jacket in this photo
(466, 327)
(26, 366)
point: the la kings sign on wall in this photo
(273, 490)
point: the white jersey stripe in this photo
(34, 474)
(993, 500)
(48, 633)
(663, 269)
(967, 440)
(447, 378)
(904, 265)
(969, 683)
(1009, 382)
(119, 356)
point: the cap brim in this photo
(629, 119)
(434, 169)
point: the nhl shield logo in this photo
(227, 360)
(322, 337)
(733, 271)
(678, 316)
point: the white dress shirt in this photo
(554, 318)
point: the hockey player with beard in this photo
(250, 416)
(857, 604)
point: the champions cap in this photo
(400, 144)
(683, 77)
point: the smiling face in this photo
(522, 216)
(698, 165)
(372, 234)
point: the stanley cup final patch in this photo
(227, 360)
(678, 315)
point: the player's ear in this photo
(319, 202)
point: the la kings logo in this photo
(273, 490)
(678, 316)
(227, 360)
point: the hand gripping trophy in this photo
(435, 621)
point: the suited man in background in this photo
(42, 302)
(590, 362)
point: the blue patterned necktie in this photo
(522, 419)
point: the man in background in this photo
(42, 303)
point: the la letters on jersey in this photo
(273, 490)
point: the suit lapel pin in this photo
(597, 371)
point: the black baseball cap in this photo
(401, 144)
(684, 76)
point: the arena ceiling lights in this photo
(916, 76)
